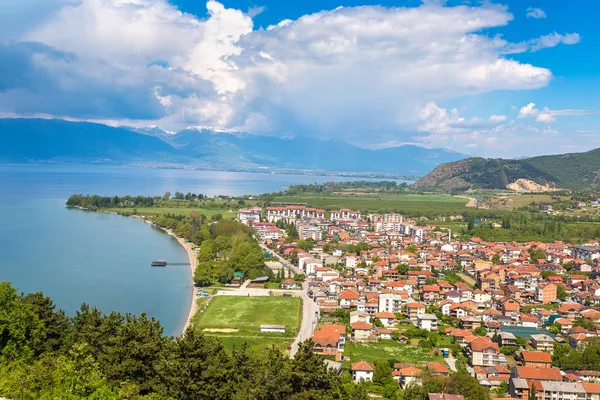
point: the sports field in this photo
(238, 319)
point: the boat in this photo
(159, 263)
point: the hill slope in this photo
(41, 140)
(570, 171)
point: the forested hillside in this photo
(569, 171)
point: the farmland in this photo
(409, 204)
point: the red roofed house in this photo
(481, 351)
(361, 332)
(329, 339)
(362, 371)
(348, 298)
(538, 359)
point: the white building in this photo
(249, 216)
(362, 371)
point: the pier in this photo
(164, 263)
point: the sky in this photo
(505, 78)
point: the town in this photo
(521, 318)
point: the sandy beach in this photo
(189, 248)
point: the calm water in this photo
(104, 260)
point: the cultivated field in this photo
(238, 319)
(410, 204)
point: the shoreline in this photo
(192, 258)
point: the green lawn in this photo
(385, 350)
(410, 204)
(236, 320)
(247, 314)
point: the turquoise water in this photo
(102, 259)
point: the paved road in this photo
(451, 361)
(310, 311)
(282, 260)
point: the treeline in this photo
(584, 357)
(47, 355)
(179, 200)
(44, 354)
(226, 246)
(525, 228)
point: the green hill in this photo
(569, 171)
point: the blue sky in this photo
(495, 78)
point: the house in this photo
(535, 373)
(428, 322)
(361, 332)
(348, 298)
(546, 293)
(414, 309)
(565, 325)
(248, 216)
(409, 375)
(538, 359)
(437, 368)
(288, 284)
(542, 342)
(481, 351)
(445, 396)
(329, 339)
(386, 318)
(362, 371)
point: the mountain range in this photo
(60, 141)
(568, 171)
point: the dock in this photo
(164, 263)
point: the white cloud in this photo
(528, 111)
(349, 73)
(552, 40)
(547, 115)
(435, 119)
(536, 13)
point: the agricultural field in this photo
(236, 319)
(409, 204)
(385, 350)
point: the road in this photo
(282, 260)
(451, 361)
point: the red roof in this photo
(362, 366)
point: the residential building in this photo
(542, 342)
(249, 216)
(428, 322)
(362, 371)
(539, 359)
(329, 339)
(546, 293)
(481, 351)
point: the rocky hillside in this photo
(570, 171)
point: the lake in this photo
(103, 259)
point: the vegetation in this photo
(570, 171)
(388, 350)
(46, 355)
(246, 314)
(585, 357)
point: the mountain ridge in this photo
(568, 171)
(60, 141)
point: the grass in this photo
(152, 211)
(244, 315)
(411, 204)
(551, 307)
(255, 344)
(385, 350)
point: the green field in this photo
(385, 350)
(237, 319)
(151, 211)
(410, 204)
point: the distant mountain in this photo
(43, 140)
(40, 140)
(569, 171)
